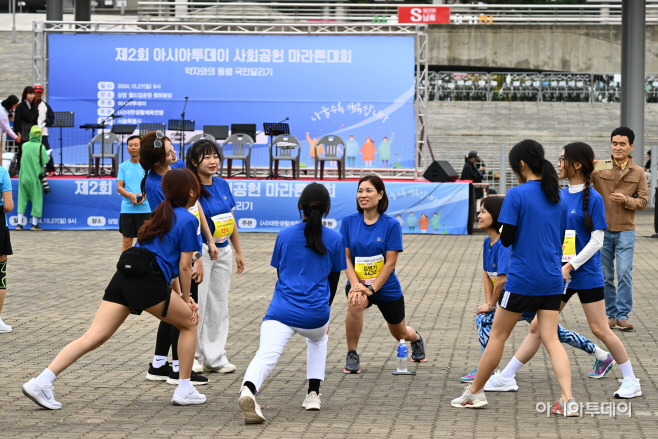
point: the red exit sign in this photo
(424, 14)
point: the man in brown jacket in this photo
(624, 190)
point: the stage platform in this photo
(80, 203)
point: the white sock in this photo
(46, 378)
(600, 354)
(159, 361)
(184, 385)
(35, 220)
(626, 369)
(174, 365)
(20, 218)
(511, 369)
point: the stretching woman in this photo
(308, 258)
(534, 219)
(582, 272)
(495, 263)
(157, 157)
(373, 241)
(165, 245)
(218, 203)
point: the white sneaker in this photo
(470, 400)
(43, 396)
(630, 388)
(189, 397)
(4, 327)
(197, 367)
(250, 409)
(497, 383)
(312, 402)
(227, 368)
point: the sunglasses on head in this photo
(159, 135)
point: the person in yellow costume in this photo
(29, 187)
(312, 143)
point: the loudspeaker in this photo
(244, 128)
(440, 171)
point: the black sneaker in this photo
(352, 364)
(158, 373)
(195, 378)
(36, 228)
(418, 350)
(19, 227)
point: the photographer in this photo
(29, 184)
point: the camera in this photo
(44, 182)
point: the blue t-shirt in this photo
(589, 275)
(535, 267)
(220, 201)
(5, 185)
(373, 240)
(153, 186)
(181, 238)
(495, 258)
(301, 295)
(132, 174)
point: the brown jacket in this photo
(630, 182)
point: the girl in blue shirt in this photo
(308, 258)
(218, 203)
(534, 222)
(157, 157)
(166, 244)
(582, 271)
(372, 243)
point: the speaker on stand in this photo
(440, 171)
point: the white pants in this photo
(274, 336)
(212, 330)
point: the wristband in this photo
(371, 288)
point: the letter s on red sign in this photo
(416, 15)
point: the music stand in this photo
(181, 126)
(145, 128)
(219, 132)
(123, 130)
(63, 119)
(273, 130)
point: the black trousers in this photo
(50, 166)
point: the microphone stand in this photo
(181, 131)
(111, 116)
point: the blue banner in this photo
(358, 87)
(262, 206)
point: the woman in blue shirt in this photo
(165, 246)
(218, 203)
(308, 258)
(157, 157)
(534, 221)
(372, 243)
(582, 271)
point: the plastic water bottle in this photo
(402, 356)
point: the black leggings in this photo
(168, 334)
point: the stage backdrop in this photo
(262, 206)
(361, 86)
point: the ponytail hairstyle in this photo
(149, 155)
(582, 153)
(493, 205)
(176, 185)
(196, 154)
(315, 202)
(532, 154)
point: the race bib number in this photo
(569, 246)
(493, 275)
(367, 269)
(224, 225)
(194, 210)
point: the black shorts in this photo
(590, 295)
(130, 223)
(392, 310)
(137, 293)
(524, 303)
(5, 242)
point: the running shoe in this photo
(36, 228)
(312, 402)
(4, 327)
(571, 407)
(601, 368)
(250, 409)
(469, 400)
(469, 377)
(418, 350)
(19, 227)
(158, 373)
(352, 364)
(189, 397)
(497, 383)
(42, 396)
(195, 378)
(630, 388)
(196, 367)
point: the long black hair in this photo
(579, 152)
(195, 154)
(315, 202)
(532, 154)
(149, 155)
